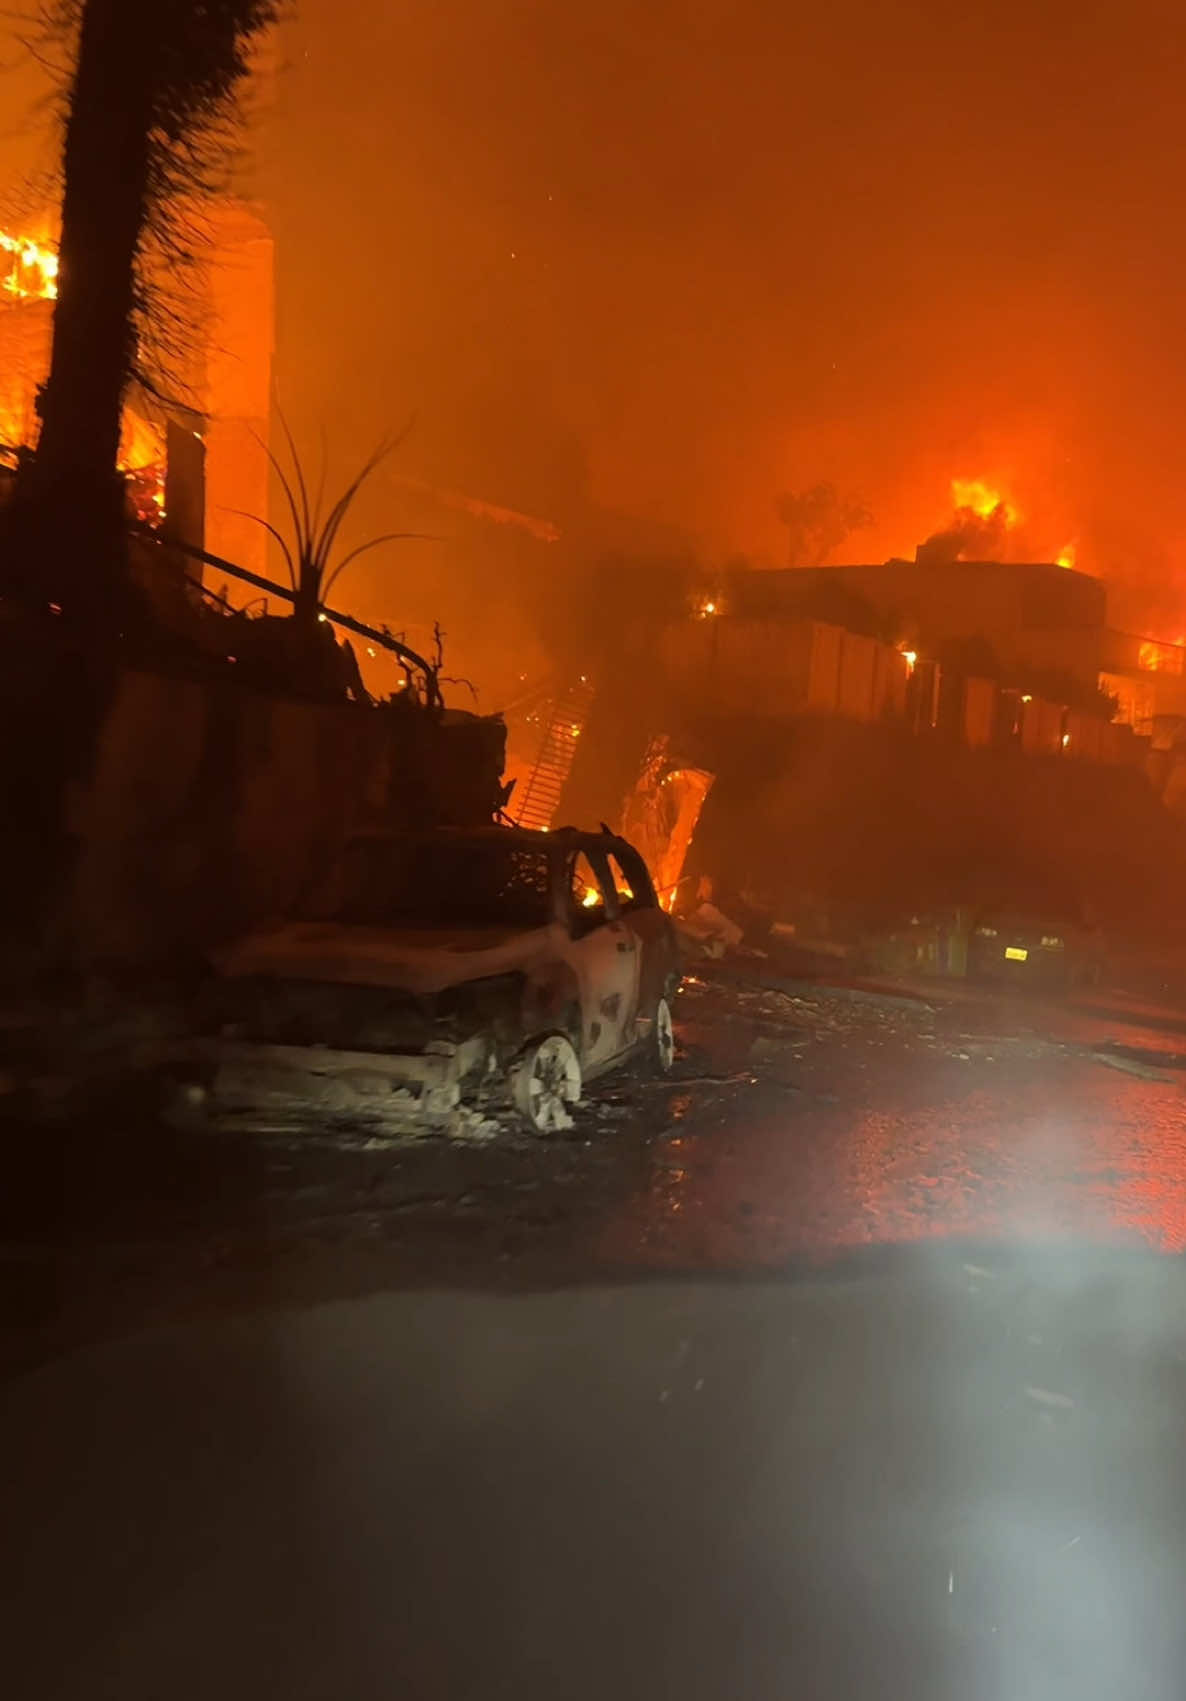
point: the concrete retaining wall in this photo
(210, 807)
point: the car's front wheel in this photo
(545, 1081)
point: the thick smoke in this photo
(971, 536)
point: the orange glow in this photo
(544, 530)
(1066, 556)
(1160, 658)
(707, 607)
(983, 499)
(660, 818)
(30, 270)
(910, 657)
(141, 444)
(141, 458)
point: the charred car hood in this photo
(419, 960)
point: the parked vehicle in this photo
(1053, 947)
(434, 976)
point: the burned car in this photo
(433, 978)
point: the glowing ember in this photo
(30, 271)
(983, 500)
(709, 606)
(909, 657)
(1066, 556)
(591, 898)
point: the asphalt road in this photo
(941, 1479)
(899, 1122)
(800, 1125)
(314, 1413)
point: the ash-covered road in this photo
(863, 1121)
(801, 1123)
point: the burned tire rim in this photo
(664, 1037)
(546, 1081)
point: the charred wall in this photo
(1015, 606)
(877, 821)
(211, 806)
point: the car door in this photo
(605, 959)
(639, 909)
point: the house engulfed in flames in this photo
(200, 466)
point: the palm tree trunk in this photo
(63, 542)
(72, 494)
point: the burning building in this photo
(199, 463)
(889, 735)
(1036, 627)
(30, 288)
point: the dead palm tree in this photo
(149, 113)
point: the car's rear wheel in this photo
(545, 1081)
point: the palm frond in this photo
(290, 498)
(273, 532)
(341, 507)
(302, 487)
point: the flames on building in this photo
(986, 524)
(982, 521)
(30, 283)
(230, 383)
(974, 496)
(30, 268)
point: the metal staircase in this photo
(563, 726)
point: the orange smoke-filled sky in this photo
(671, 259)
